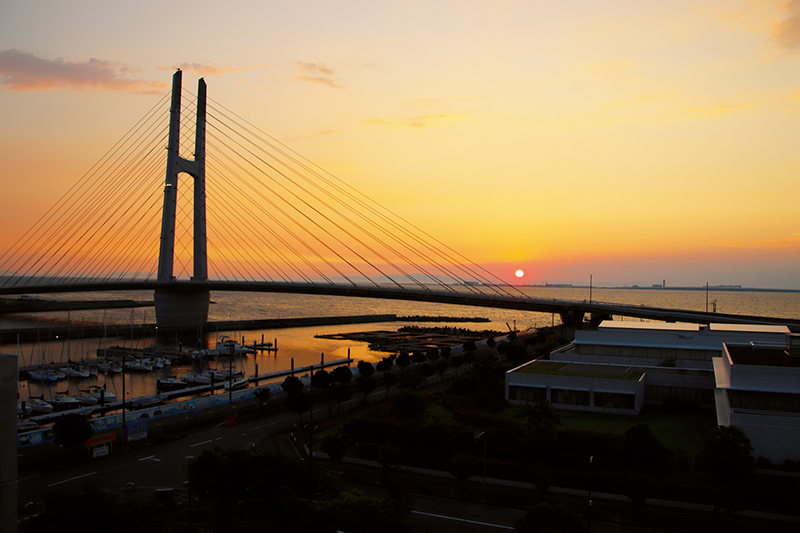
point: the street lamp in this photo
(476, 437)
(591, 458)
(189, 460)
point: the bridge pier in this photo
(596, 318)
(185, 307)
(572, 319)
(182, 307)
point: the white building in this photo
(625, 365)
(758, 391)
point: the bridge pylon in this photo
(184, 306)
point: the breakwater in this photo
(139, 331)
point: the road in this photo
(165, 466)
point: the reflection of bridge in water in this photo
(275, 223)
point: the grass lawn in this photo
(677, 431)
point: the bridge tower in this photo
(184, 306)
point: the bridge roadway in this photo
(572, 312)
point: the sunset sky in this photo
(629, 140)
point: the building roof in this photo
(744, 354)
(580, 370)
(752, 328)
(683, 326)
(665, 326)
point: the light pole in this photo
(189, 459)
(591, 458)
(476, 437)
(124, 427)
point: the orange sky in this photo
(631, 141)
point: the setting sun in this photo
(519, 273)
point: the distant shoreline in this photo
(718, 288)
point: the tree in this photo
(298, 402)
(94, 505)
(445, 352)
(539, 413)
(388, 457)
(418, 357)
(407, 402)
(384, 365)
(470, 346)
(222, 474)
(335, 446)
(462, 466)
(726, 453)
(517, 353)
(403, 360)
(262, 395)
(502, 348)
(542, 477)
(432, 355)
(341, 394)
(426, 370)
(539, 424)
(341, 374)
(441, 366)
(389, 379)
(354, 512)
(72, 430)
(469, 358)
(642, 449)
(321, 379)
(366, 386)
(292, 385)
(457, 361)
(365, 369)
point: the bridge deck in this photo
(567, 309)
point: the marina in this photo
(107, 403)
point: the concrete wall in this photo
(765, 378)
(579, 383)
(773, 436)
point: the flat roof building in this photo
(758, 390)
(749, 373)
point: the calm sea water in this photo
(301, 346)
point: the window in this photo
(569, 397)
(527, 394)
(615, 400)
(765, 401)
(655, 393)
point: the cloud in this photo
(778, 243)
(316, 73)
(424, 121)
(715, 110)
(614, 69)
(22, 71)
(203, 69)
(787, 32)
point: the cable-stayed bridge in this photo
(249, 214)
